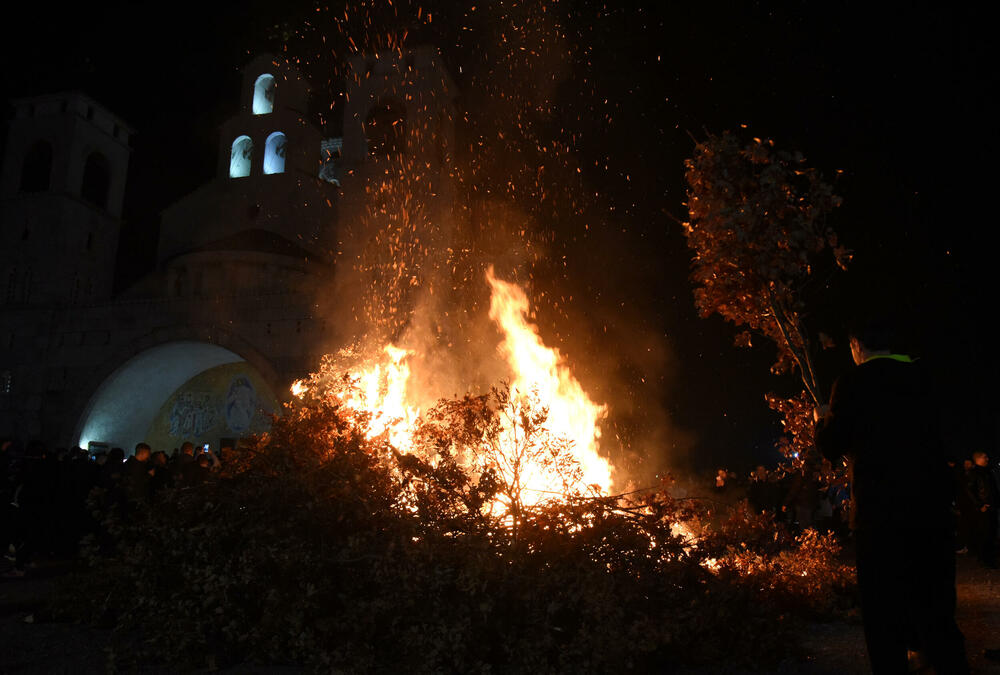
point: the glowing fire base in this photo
(547, 443)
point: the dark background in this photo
(892, 95)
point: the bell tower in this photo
(62, 185)
(270, 135)
(267, 184)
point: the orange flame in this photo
(537, 368)
(380, 390)
(538, 372)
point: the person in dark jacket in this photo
(161, 477)
(982, 494)
(883, 418)
(136, 474)
(185, 466)
(32, 502)
(965, 518)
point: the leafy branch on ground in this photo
(326, 548)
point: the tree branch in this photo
(805, 367)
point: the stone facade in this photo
(241, 263)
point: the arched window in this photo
(385, 129)
(239, 160)
(263, 95)
(37, 169)
(274, 153)
(96, 180)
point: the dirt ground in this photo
(31, 645)
(839, 648)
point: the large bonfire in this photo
(546, 444)
(386, 524)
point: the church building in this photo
(204, 347)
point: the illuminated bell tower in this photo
(270, 135)
(61, 190)
(267, 173)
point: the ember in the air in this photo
(539, 378)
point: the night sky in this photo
(892, 95)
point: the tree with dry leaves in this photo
(758, 229)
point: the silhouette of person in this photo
(982, 489)
(884, 419)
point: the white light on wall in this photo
(274, 153)
(122, 409)
(263, 95)
(239, 160)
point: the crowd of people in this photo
(802, 498)
(44, 493)
(806, 498)
(977, 501)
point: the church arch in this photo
(193, 389)
(274, 153)
(263, 94)
(36, 173)
(96, 180)
(241, 157)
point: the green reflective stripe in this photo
(902, 358)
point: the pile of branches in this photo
(330, 550)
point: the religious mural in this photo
(192, 414)
(241, 404)
(228, 401)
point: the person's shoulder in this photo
(849, 381)
(915, 372)
(132, 465)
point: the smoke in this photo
(497, 181)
